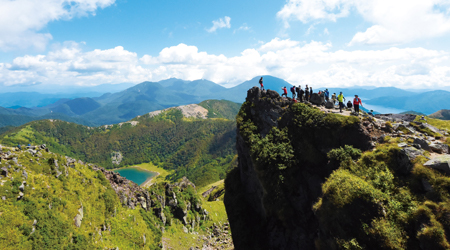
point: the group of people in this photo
(305, 95)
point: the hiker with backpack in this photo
(285, 91)
(261, 83)
(327, 95)
(293, 92)
(310, 92)
(333, 98)
(341, 100)
(356, 103)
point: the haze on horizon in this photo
(324, 43)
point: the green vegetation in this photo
(221, 109)
(202, 150)
(369, 200)
(53, 203)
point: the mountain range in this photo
(111, 108)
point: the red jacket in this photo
(285, 90)
(357, 101)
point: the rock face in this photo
(441, 163)
(254, 192)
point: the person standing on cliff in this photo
(261, 83)
(300, 93)
(293, 92)
(310, 92)
(356, 103)
(285, 91)
(341, 100)
(327, 95)
(306, 93)
(333, 98)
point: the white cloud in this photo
(326, 32)
(219, 24)
(244, 27)
(314, 63)
(21, 20)
(277, 44)
(394, 22)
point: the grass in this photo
(440, 124)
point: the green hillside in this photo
(443, 114)
(50, 201)
(201, 149)
(44, 215)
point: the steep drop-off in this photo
(282, 150)
(313, 180)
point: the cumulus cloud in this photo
(22, 20)
(315, 63)
(220, 24)
(394, 22)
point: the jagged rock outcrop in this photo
(270, 207)
(130, 194)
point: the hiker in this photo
(300, 93)
(285, 92)
(356, 103)
(327, 95)
(310, 92)
(293, 92)
(423, 119)
(333, 98)
(349, 105)
(341, 100)
(370, 113)
(20, 147)
(306, 93)
(261, 83)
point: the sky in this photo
(48, 44)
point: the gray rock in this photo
(79, 217)
(403, 144)
(4, 171)
(25, 174)
(426, 185)
(439, 148)
(441, 163)
(316, 99)
(185, 230)
(20, 196)
(22, 187)
(423, 143)
(31, 151)
(329, 105)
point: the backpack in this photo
(292, 89)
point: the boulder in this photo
(404, 158)
(440, 163)
(317, 99)
(79, 217)
(423, 144)
(20, 196)
(329, 105)
(4, 171)
(439, 148)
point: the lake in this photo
(136, 175)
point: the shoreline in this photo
(148, 181)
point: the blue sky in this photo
(49, 43)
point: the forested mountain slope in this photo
(201, 149)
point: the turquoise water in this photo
(136, 175)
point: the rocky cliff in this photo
(313, 180)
